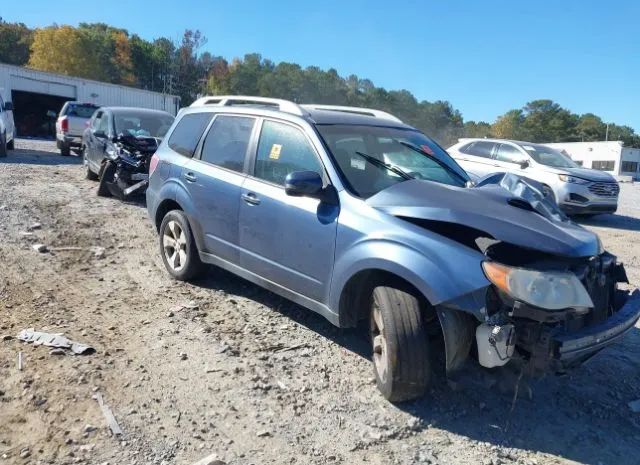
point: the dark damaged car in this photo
(363, 219)
(117, 146)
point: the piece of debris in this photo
(24, 453)
(183, 356)
(210, 460)
(108, 415)
(89, 429)
(35, 226)
(634, 405)
(98, 252)
(7, 337)
(57, 352)
(26, 234)
(263, 433)
(41, 248)
(54, 340)
(19, 361)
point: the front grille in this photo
(605, 189)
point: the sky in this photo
(485, 57)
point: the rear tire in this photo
(401, 355)
(11, 145)
(178, 247)
(106, 175)
(3, 145)
(65, 150)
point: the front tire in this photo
(401, 355)
(106, 175)
(178, 247)
(11, 145)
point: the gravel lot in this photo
(223, 367)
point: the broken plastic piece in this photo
(54, 340)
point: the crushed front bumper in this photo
(571, 348)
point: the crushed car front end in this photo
(548, 296)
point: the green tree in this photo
(510, 126)
(590, 128)
(477, 129)
(15, 41)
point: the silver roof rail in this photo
(355, 110)
(230, 100)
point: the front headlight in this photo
(553, 290)
(572, 179)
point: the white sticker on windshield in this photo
(528, 148)
(358, 163)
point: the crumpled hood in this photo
(507, 207)
(584, 173)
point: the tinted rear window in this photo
(81, 111)
(187, 133)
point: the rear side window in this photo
(479, 149)
(284, 149)
(227, 142)
(186, 134)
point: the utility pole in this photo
(606, 135)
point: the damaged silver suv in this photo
(361, 218)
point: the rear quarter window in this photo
(187, 133)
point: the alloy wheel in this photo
(174, 244)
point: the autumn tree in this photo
(65, 50)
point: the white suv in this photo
(7, 127)
(577, 190)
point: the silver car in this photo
(363, 219)
(577, 190)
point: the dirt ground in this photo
(221, 366)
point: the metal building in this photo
(610, 156)
(38, 96)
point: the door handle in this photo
(251, 198)
(190, 177)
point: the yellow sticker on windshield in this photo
(275, 151)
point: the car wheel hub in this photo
(174, 244)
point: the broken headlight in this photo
(553, 290)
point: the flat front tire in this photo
(178, 248)
(106, 175)
(401, 355)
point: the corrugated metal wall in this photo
(82, 90)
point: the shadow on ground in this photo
(39, 157)
(613, 221)
(572, 417)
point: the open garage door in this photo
(35, 114)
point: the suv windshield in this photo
(393, 147)
(549, 157)
(142, 124)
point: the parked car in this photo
(117, 146)
(299, 200)
(70, 125)
(7, 127)
(577, 190)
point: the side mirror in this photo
(8, 106)
(304, 184)
(100, 134)
(523, 162)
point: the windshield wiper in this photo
(381, 164)
(415, 148)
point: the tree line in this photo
(101, 52)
